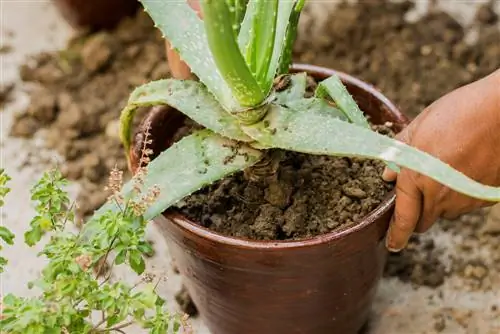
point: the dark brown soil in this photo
(78, 94)
(305, 196)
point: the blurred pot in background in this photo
(96, 14)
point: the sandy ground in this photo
(32, 26)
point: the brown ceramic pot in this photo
(96, 14)
(322, 285)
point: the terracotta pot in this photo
(322, 285)
(95, 14)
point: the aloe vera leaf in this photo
(285, 21)
(190, 164)
(237, 10)
(185, 31)
(285, 56)
(265, 33)
(334, 88)
(227, 55)
(295, 90)
(189, 97)
(246, 30)
(316, 131)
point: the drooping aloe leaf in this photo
(296, 89)
(185, 31)
(190, 164)
(316, 131)
(334, 88)
(285, 55)
(227, 55)
(189, 97)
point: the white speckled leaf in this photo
(189, 165)
(189, 97)
(315, 131)
(185, 31)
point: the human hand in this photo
(178, 68)
(462, 129)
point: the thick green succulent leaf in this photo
(285, 56)
(295, 90)
(237, 9)
(189, 165)
(334, 88)
(185, 31)
(288, 19)
(264, 36)
(315, 131)
(227, 55)
(246, 29)
(189, 97)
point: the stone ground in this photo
(31, 26)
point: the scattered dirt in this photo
(78, 94)
(412, 63)
(185, 302)
(5, 93)
(306, 196)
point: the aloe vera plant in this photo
(237, 51)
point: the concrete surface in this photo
(32, 26)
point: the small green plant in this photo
(5, 234)
(72, 287)
(237, 51)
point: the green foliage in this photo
(52, 202)
(5, 234)
(72, 285)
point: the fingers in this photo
(406, 214)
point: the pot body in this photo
(95, 14)
(322, 285)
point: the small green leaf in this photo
(184, 30)
(120, 258)
(33, 236)
(316, 131)
(189, 97)
(7, 235)
(136, 262)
